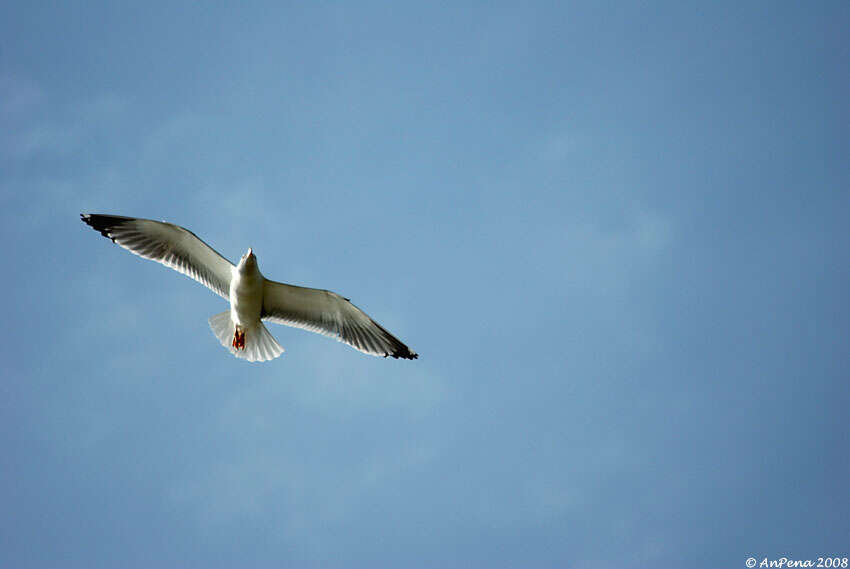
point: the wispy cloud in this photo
(557, 147)
(39, 139)
(18, 96)
(267, 467)
(33, 127)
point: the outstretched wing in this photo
(169, 244)
(330, 314)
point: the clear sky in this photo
(617, 235)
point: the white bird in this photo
(252, 297)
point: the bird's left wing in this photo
(330, 314)
(169, 244)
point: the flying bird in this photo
(253, 298)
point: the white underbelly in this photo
(246, 300)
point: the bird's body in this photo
(246, 299)
(252, 297)
(246, 292)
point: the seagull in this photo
(253, 298)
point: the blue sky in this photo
(617, 236)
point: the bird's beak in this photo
(250, 251)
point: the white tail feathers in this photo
(259, 344)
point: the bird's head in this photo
(248, 260)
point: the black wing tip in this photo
(404, 353)
(399, 349)
(102, 223)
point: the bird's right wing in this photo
(169, 244)
(330, 314)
